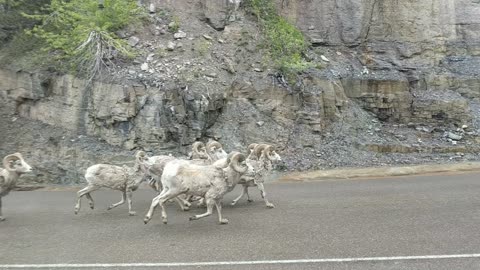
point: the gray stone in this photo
(171, 46)
(180, 34)
(151, 8)
(133, 41)
(150, 57)
(454, 136)
(212, 75)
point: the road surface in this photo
(341, 224)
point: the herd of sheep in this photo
(206, 176)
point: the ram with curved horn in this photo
(215, 151)
(14, 166)
(125, 179)
(261, 159)
(198, 156)
(210, 182)
(198, 151)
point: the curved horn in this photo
(236, 159)
(257, 151)
(141, 157)
(251, 147)
(211, 144)
(196, 146)
(9, 158)
(140, 154)
(269, 149)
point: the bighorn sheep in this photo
(200, 155)
(210, 182)
(125, 179)
(197, 156)
(198, 151)
(261, 158)
(215, 151)
(15, 166)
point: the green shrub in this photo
(174, 26)
(284, 42)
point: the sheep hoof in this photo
(186, 209)
(146, 220)
(76, 211)
(91, 207)
(223, 221)
(270, 205)
(132, 213)
(233, 203)
(165, 221)
(192, 218)
(2, 219)
(187, 204)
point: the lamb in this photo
(210, 182)
(125, 179)
(14, 166)
(261, 158)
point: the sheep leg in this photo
(160, 200)
(89, 197)
(167, 196)
(248, 195)
(1, 215)
(218, 205)
(210, 204)
(201, 202)
(129, 200)
(184, 205)
(244, 191)
(124, 196)
(81, 193)
(154, 205)
(264, 195)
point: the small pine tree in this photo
(83, 33)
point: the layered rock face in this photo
(391, 65)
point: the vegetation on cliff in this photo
(285, 43)
(83, 33)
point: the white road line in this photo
(332, 260)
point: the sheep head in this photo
(239, 164)
(215, 150)
(16, 163)
(258, 151)
(199, 151)
(142, 161)
(271, 154)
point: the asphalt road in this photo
(407, 216)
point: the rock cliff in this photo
(399, 84)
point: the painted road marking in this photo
(233, 263)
